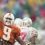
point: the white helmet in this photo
(8, 19)
(27, 22)
(18, 22)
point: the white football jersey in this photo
(26, 34)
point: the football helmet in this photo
(8, 19)
(27, 22)
(18, 22)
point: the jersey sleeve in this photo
(33, 32)
(18, 31)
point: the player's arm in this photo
(33, 40)
(20, 41)
(18, 38)
(33, 36)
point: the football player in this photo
(9, 32)
(28, 33)
(18, 22)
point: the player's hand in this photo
(28, 43)
(1, 39)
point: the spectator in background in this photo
(33, 16)
(31, 2)
(17, 10)
(1, 1)
(10, 4)
(42, 12)
(35, 20)
(44, 5)
(6, 1)
(25, 14)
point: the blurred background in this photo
(34, 9)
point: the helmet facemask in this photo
(26, 23)
(8, 21)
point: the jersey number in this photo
(23, 35)
(7, 33)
